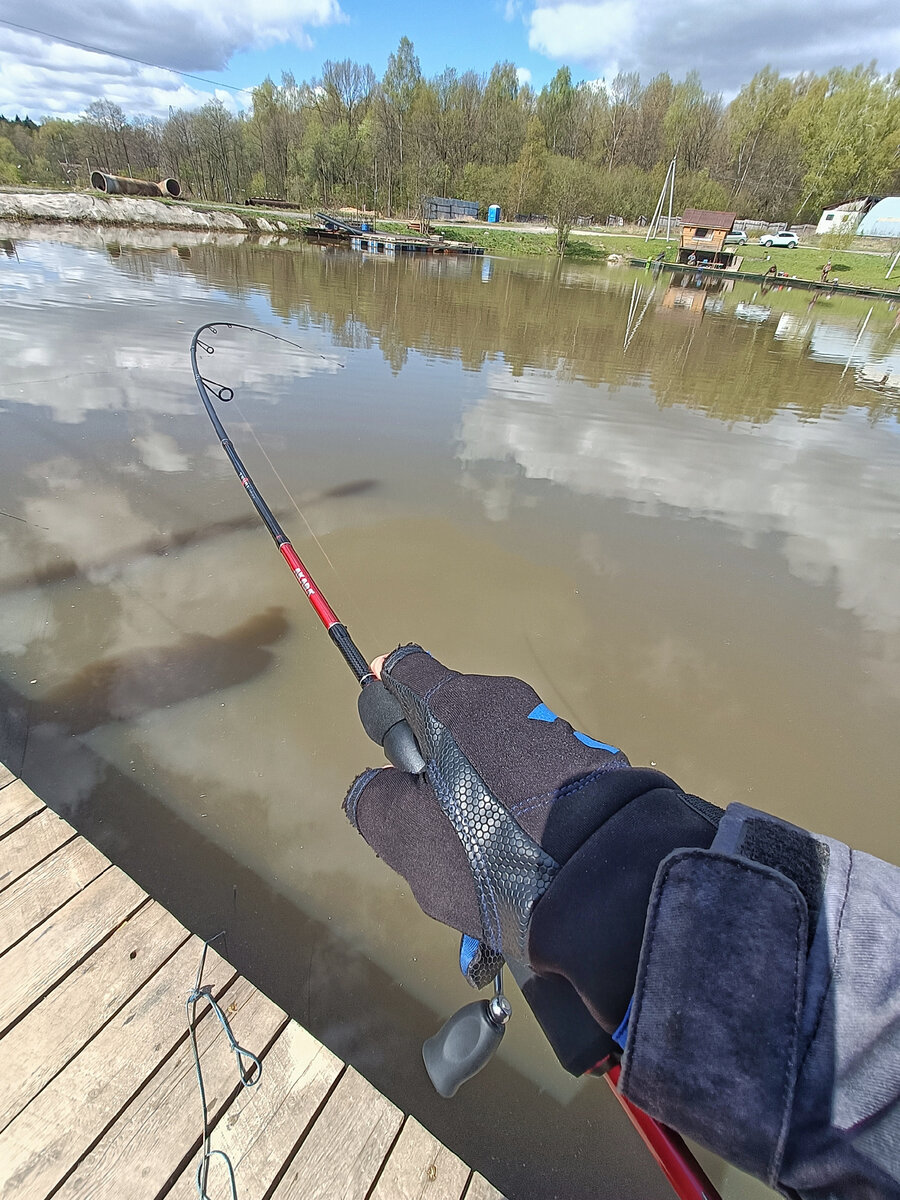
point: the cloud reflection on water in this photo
(830, 489)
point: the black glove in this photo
(537, 842)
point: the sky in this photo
(234, 44)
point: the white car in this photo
(737, 237)
(784, 238)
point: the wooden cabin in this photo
(703, 234)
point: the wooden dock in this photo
(770, 282)
(389, 243)
(99, 1091)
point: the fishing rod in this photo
(469, 1038)
(381, 715)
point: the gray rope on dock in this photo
(247, 1078)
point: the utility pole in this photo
(668, 185)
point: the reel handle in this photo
(382, 719)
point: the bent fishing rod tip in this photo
(380, 713)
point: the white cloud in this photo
(583, 32)
(726, 43)
(523, 75)
(39, 76)
(181, 33)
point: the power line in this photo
(55, 37)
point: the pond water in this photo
(673, 510)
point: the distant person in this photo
(745, 971)
(826, 271)
(692, 259)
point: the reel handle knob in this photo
(465, 1043)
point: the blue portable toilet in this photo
(494, 214)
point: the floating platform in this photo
(771, 281)
(388, 243)
(100, 1095)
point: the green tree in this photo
(554, 107)
(691, 121)
(571, 192)
(645, 142)
(270, 126)
(845, 122)
(9, 168)
(503, 120)
(622, 101)
(528, 178)
(394, 105)
(757, 111)
(105, 127)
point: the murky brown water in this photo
(674, 511)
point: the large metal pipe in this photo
(121, 185)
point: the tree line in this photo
(781, 150)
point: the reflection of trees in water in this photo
(562, 320)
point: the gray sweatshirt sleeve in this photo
(766, 1017)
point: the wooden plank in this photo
(420, 1168)
(17, 804)
(480, 1189)
(44, 1041)
(264, 1124)
(29, 901)
(61, 1124)
(151, 1138)
(31, 842)
(36, 963)
(6, 776)
(345, 1147)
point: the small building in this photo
(882, 219)
(703, 234)
(843, 218)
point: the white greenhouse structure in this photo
(882, 220)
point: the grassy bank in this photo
(806, 262)
(512, 242)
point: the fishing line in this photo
(287, 492)
(354, 607)
(13, 517)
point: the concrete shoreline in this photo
(84, 208)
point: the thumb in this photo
(398, 815)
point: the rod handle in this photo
(382, 719)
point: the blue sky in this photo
(239, 42)
(466, 36)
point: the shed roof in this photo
(708, 219)
(863, 204)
